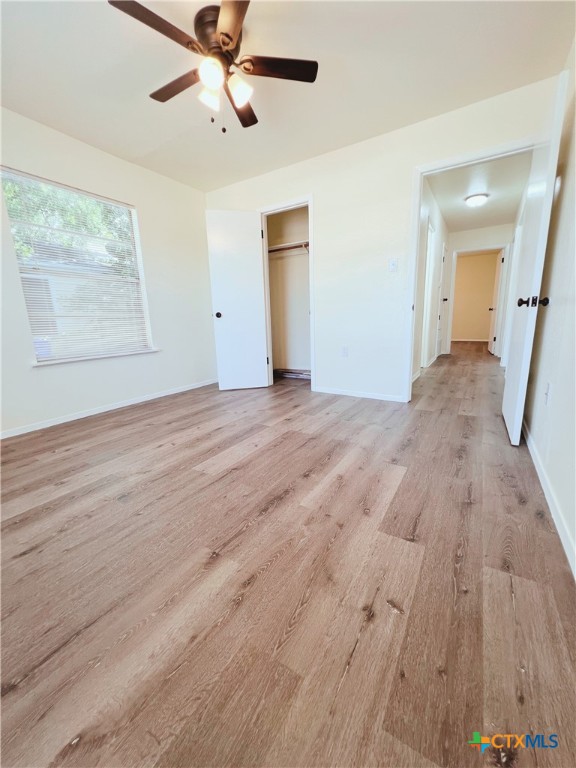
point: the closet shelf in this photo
(289, 246)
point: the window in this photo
(78, 263)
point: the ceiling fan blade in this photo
(286, 69)
(176, 86)
(230, 22)
(245, 114)
(140, 13)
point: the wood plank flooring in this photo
(281, 578)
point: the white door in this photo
(530, 264)
(238, 298)
(493, 309)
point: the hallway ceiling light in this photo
(475, 201)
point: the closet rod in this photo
(290, 247)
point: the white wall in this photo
(550, 421)
(485, 238)
(362, 197)
(173, 239)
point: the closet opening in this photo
(288, 262)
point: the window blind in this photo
(79, 270)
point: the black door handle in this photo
(545, 301)
(521, 302)
(218, 314)
(490, 309)
(444, 299)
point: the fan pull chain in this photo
(213, 120)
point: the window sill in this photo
(45, 363)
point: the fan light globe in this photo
(476, 201)
(210, 98)
(240, 90)
(211, 73)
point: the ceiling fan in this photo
(219, 33)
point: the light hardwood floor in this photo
(285, 578)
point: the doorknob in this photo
(218, 314)
(490, 309)
(523, 301)
(545, 301)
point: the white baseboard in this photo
(429, 363)
(555, 509)
(415, 375)
(484, 341)
(100, 409)
(368, 395)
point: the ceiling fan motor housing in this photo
(205, 25)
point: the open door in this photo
(238, 298)
(529, 267)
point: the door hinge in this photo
(502, 259)
(262, 234)
(268, 359)
(494, 338)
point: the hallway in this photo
(285, 578)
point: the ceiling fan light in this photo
(476, 201)
(240, 90)
(211, 73)
(210, 98)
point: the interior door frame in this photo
(471, 158)
(264, 212)
(496, 290)
(442, 312)
(502, 308)
(425, 358)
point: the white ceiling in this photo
(504, 179)
(86, 69)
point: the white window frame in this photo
(138, 262)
